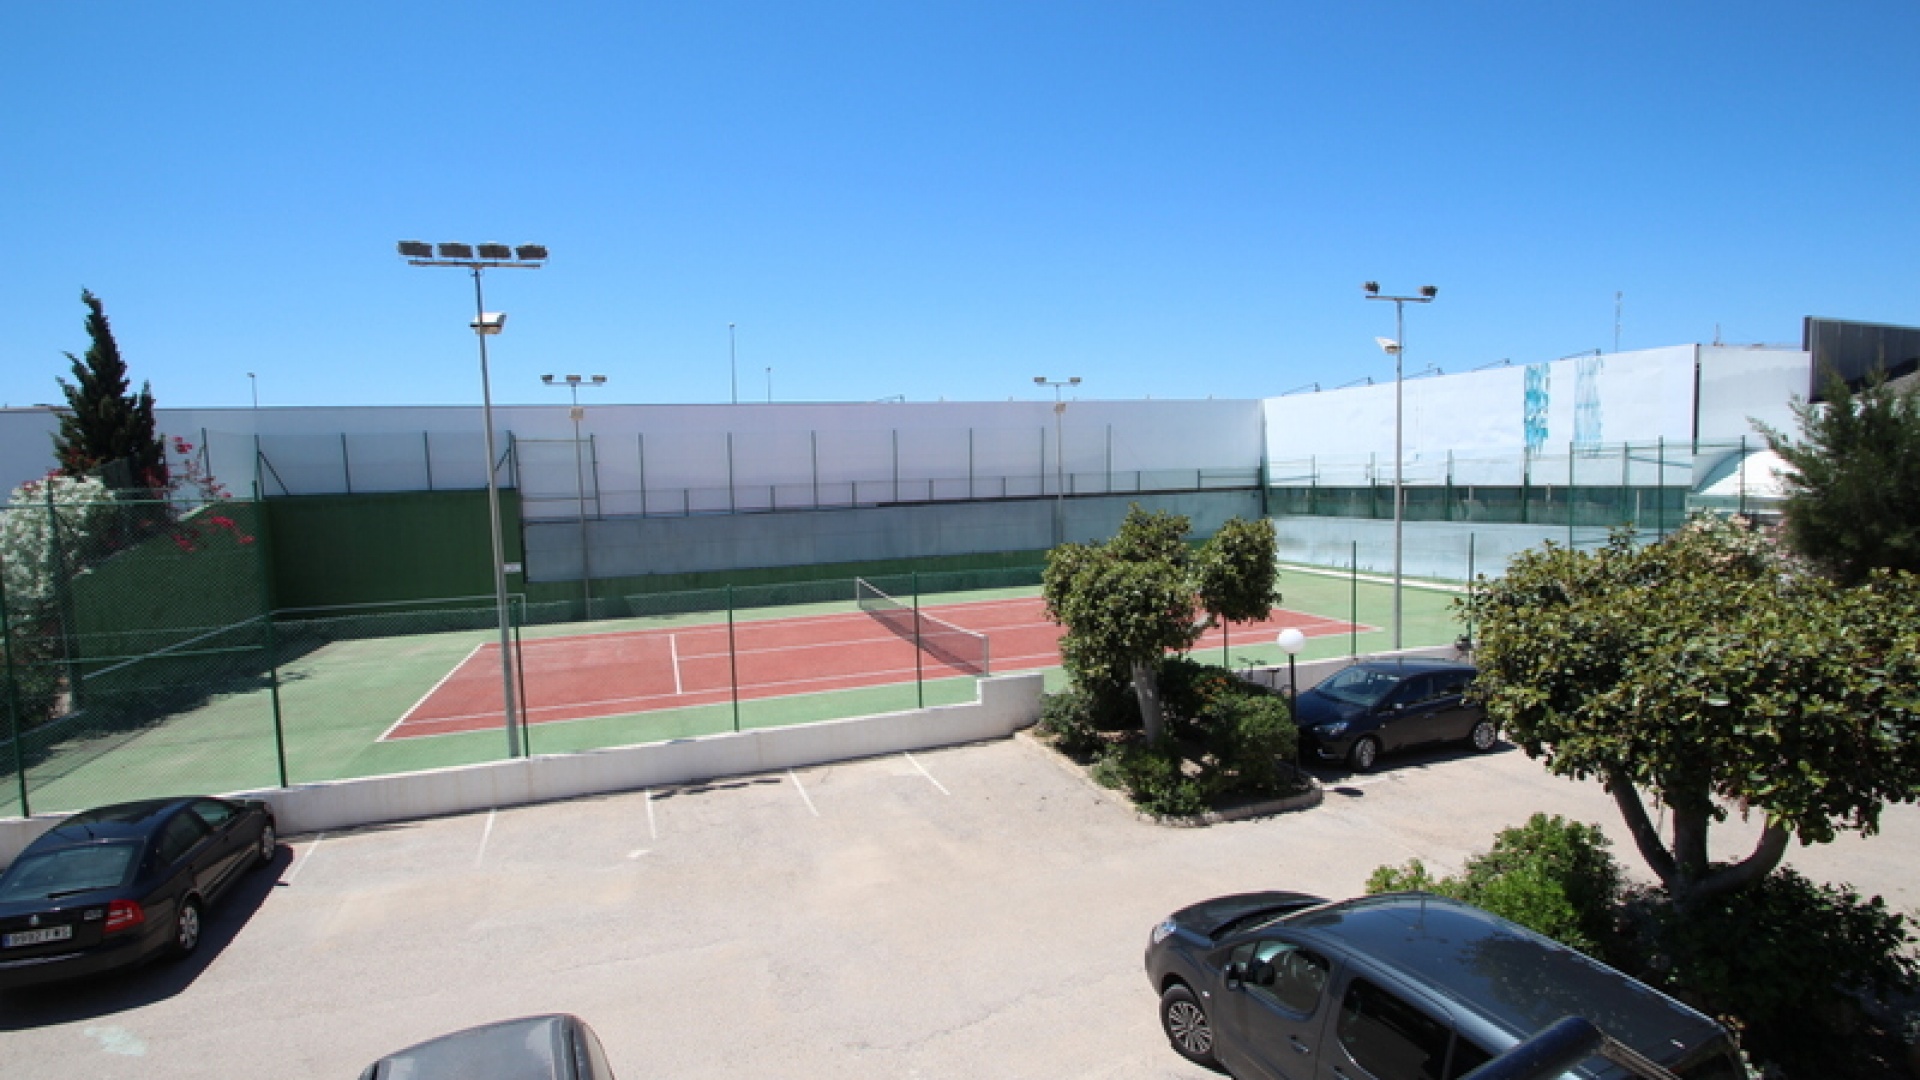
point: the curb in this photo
(1267, 808)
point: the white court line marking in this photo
(673, 651)
(803, 792)
(653, 829)
(300, 862)
(436, 689)
(485, 835)
(928, 775)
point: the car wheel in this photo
(186, 929)
(263, 852)
(1186, 1025)
(1364, 753)
(1483, 736)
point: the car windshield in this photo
(68, 870)
(1359, 686)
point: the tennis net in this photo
(960, 649)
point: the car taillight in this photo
(124, 915)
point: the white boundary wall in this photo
(1476, 426)
(707, 448)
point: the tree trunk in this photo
(1686, 870)
(1146, 687)
(1645, 836)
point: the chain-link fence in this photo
(140, 660)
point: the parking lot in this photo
(971, 912)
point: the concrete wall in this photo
(732, 541)
(1004, 705)
(1310, 673)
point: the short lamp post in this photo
(1291, 642)
(1397, 348)
(1059, 455)
(573, 383)
(475, 258)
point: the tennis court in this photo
(591, 676)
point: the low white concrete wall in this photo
(1311, 672)
(1004, 704)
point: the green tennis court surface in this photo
(331, 699)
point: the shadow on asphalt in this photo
(118, 991)
(1336, 780)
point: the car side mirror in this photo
(1236, 973)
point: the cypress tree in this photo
(107, 431)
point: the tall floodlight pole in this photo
(475, 258)
(1059, 456)
(573, 383)
(1397, 349)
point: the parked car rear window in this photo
(181, 832)
(69, 870)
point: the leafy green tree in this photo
(1128, 602)
(1853, 497)
(1125, 604)
(1700, 670)
(1237, 571)
(107, 430)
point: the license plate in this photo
(37, 937)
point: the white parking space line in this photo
(300, 860)
(485, 835)
(928, 775)
(801, 788)
(653, 827)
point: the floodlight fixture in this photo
(573, 383)
(1059, 453)
(1396, 347)
(486, 324)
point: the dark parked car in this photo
(1406, 986)
(558, 1046)
(1374, 706)
(119, 885)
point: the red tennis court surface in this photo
(594, 675)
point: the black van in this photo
(1406, 986)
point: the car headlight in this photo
(1331, 731)
(1162, 932)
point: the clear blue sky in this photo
(938, 199)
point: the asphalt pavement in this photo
(978, 911)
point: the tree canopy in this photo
(1128, 602)
(1853, 498)
(1703, 671)
(106, 430)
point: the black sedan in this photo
(117, 886)
(1379, 705)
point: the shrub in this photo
(1551, 875)
(1067, 718)
(1783, 957)
(1153, 778)
(1250, 745)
